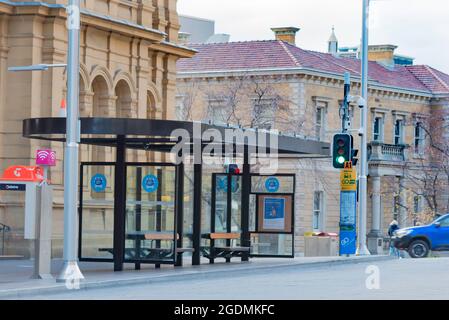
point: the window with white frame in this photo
(419, 139)
(320, 117)
(264, 112)
(319, 123)
(180, 111)
(378, 129)
(417, 204)
(318, 210)
(399, 132)
(218, 111)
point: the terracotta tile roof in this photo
(272, 54)
(436, 81)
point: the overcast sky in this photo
(419, 27)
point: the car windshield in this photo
(442, 218)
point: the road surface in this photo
(391, 279)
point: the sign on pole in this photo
(348, 210)
(46, 158)
(348, 178)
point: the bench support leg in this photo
(157, 266)
(137, 266)
(178, 262)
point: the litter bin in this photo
(320, 244)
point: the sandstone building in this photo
(128, 69)
(277, 85)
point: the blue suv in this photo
(418, 241)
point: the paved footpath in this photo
(15, 275)
(394, 279)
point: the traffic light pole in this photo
(345, 120)
(361, 246)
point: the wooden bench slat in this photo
(224, 235)
(160, 236)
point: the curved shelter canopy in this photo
(163, 136)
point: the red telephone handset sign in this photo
(23, 173)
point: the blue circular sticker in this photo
(98, 182)
(272, 185)
(150, 183)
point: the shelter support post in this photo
(179, 211)
(246, 189)
(120, 204)
(197, 178)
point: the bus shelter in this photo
(157, 212)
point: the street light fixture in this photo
(37, 67)
(70, 273)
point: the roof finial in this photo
(332, 42)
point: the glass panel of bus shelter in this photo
(221, 201)
(97, 215)
(271, 244)
(272, 184)
(236, 204)
(188, 207)
(221, 205)
(150, 213)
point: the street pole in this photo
(70, 270)
(362, 248)
(345, 120)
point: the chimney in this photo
(383, 54)
(287, 34)
(183, 37)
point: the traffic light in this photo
(233, 169)
(342, 150)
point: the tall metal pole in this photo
(345, 107)
(71, 271)
(362, 248)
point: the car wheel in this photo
(418, 249)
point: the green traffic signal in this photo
(342, 150)
(341, 160)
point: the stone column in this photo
(375, 236)
(375, 201)
(106, 107)
(86, 104)
(402, 217)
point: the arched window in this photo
(100, 99)
(124, 101)
(152, 108)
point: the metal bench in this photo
(152, 253)
(212, 252)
